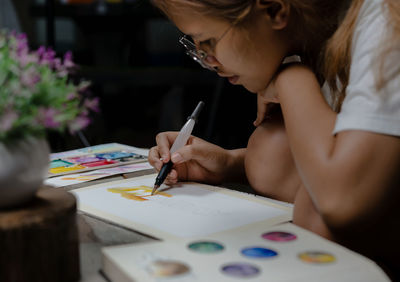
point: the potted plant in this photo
(36, 95)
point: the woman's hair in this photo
(311, 21)
(324, 27)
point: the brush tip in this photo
(154, 189)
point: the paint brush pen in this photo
(180, 141)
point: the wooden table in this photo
(39, 239)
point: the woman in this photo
(336, 158)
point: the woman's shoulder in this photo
(367, 106)
(371, 21)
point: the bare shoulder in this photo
(294, 72)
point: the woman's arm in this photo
(347, 175)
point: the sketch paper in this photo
(71, 179)
(133, 262)
(183, 211)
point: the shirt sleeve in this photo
(365, 107)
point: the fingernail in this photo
(176, 158)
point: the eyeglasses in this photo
(199, 55)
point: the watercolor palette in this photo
(279, 253)
(94, 157)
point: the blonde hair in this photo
(325, 33)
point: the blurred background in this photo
(145, 82)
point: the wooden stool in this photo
(39, 241)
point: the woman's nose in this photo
(212, 61)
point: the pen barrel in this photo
(196, 112)
(183, 136)
(165, 169)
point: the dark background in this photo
(145, 82)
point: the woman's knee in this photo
(269, 164)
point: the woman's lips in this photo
(231, 78)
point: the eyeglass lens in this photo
(196, 55)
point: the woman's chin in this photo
(249, 88)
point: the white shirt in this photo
(364, 107)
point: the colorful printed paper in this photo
(71, 179)
(95, 157)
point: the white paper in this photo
(191, 210)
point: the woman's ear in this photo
(277, 12)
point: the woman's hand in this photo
(197, 161)
(269, 97)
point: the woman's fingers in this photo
(164, 142)
(195, 150)
(154, 158)
(261, 111)
(172, 177)
(158, 155)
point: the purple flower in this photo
(83, 86)
(30, 77)
(92, 104)
(56, 64)
(79, 123)
(71, 96)
(68, 63)
(40, 52)
(22, 43)
(47, 56)
(26, 58)
(48, 117)
(7, 119)
(21, 37)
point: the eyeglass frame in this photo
(199, 55)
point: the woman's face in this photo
(247, 56)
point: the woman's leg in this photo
(269, 165)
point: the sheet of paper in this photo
(94, 158)
(183, 211)
(71, 179)
(97, 149)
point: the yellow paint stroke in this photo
(66, 168)
(131, 193)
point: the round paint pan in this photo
(240, 270)
(167, 268)
(316, 257)
(279, 236)
(206, 247)
(258, 252)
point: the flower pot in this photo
(23, 167)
